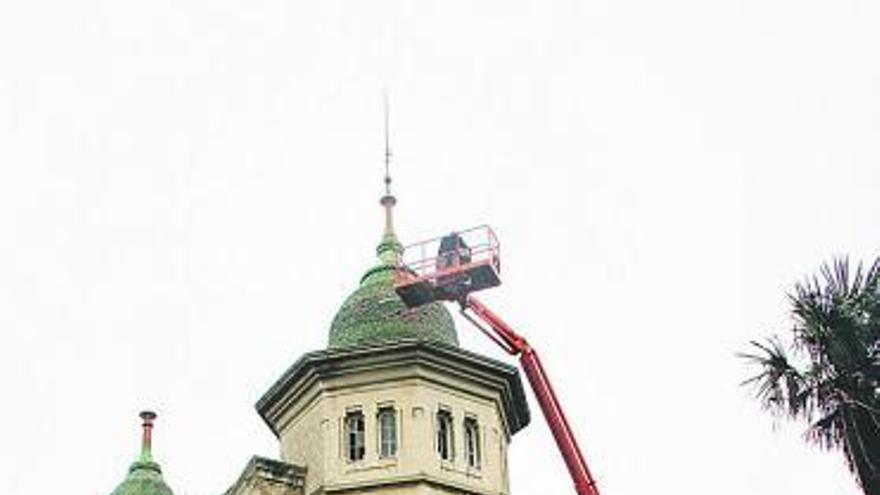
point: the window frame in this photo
(351, 446)
(444, 421)
(386, 411)
(473, 452)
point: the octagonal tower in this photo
(394, 405)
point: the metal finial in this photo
(147, 435)
(388, 200)
(387, 148)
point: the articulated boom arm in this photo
(515, 344)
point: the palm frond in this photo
(780, 386)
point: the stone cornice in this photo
(421, 478)
(268, 470)
(441, 359)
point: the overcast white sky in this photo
(188, 191)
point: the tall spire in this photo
(147, 436)
(390, 248)
(387, 147)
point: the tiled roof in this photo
(144, 478)
(374, 313)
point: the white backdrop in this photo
(188, 191)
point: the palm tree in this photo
(829, 374)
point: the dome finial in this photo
(387, 147)
(144, 475)
(147, 435)
(390, 248)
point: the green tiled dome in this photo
(375, 313)
(144, 476)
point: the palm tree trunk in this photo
(863, 445)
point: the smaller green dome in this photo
(374, 312)
(144, 476)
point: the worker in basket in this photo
(453, 252)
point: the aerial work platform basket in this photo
(448, 268)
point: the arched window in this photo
(472, 442)
(354, 435)
(444, 434)
(387, 432)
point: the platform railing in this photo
(421, 260)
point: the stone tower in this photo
(393, 405)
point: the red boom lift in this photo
(450, 268)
